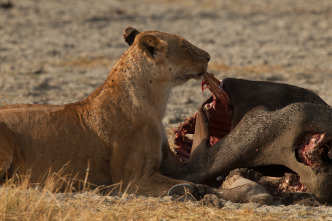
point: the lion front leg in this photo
(7, 149)
(160, 185)
(136, 165)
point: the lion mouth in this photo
(313, 149)
(201, 74)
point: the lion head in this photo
(175, 59)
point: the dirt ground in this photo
(59, 51)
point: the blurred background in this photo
(59, 51)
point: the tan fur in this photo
(117, 130)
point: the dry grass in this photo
(21, 201)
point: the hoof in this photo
(187, 192)
(243, 190)
(263, 198)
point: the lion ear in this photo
(130, 34)
(153, 47)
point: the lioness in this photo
(117, 131)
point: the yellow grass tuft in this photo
(45, 201)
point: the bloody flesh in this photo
(218, 113)
(314, 151)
